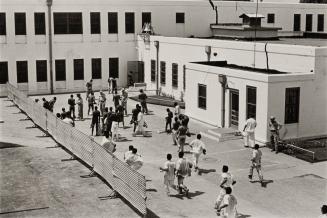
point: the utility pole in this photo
(49, 4)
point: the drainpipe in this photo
(49, 4)
(156, 44)
(223, 82)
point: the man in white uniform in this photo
(228, 207)
(226, 181)
(256, 163)
(249, 128)
(198, 147)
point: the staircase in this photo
(222, 134)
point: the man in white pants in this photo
(227, 180)
(198, 147)
(249, 128)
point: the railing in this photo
(127, 182)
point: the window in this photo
(251, 102)
(180, 18)
(174, 71)
(153, 70)
(146, 18)
(129, 22)
(95, 23)
(78, 69)
(297, 22)
(184, 77)
(202, 96)
(271, 18)
(68, 23)
(22, 72)
(114, 67)
(3, 72)
(96, 68)
(162, 72)
(3, 28)
(20, 24)
(308, 22)
(39, 23)
(292, 103)
(41, 71)
(112, 22)
(320, 24)
(60, 70)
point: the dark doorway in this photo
(234, 108)
(135, 72)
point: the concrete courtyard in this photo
(36, 183)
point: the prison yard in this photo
(39, 177)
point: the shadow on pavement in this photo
(243, 215)
(151, 190)
(206, 171)
(151, 214)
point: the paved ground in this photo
(294, 188)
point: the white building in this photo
(96, 39)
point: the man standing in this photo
(181, 136)
(249, 139)
(116, 99)
(91, 102)
(52, 103)
(177, 109)
(176, 125)
(183, 169)
(71, 103)
(95, 120)
(124, 99)
(142, 98)
(226, 181)
(109, 85)
(169, 119)
(120, 114)
(102, 102)
(256, 163)
(88, 88)
(140, 124)
(198, 147)
(169, 177)
(228, 207)
(274, 127)
(109, 120)
(114, 83)
(135, 112)
(79, 106)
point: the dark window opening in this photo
(271, 18)
(41, 71)
(180, 18)
(95, 23)
(153, 70)
(20, 23)
(202, 96)
(96, 68)
(22, 71)
(162, 72)
(112, 22)
(60, 70)
(68, 23)
(39, 23)
(292, 104)
(174, 75)
(3, 27)
(114, 67)
(78, 69)
(129, 22)
(146, 18)
(297, 22)
(184, 77)
(308, 22)
(3, 72)
(251, 102)
(321, 23)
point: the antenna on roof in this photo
(215, 9)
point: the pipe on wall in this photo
(49, 4)
(156, 44)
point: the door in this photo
(234, 108)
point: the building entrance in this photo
(234, 108)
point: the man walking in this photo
(135, 112)
(88, 88)
(198, 147)
(183, 169)
(256, 163)
(142, 98)
(91, 102)
(169, 119)
(249, 127)
(274, 127)
(116, 99)
(71, 103)
(95, 120)
(226, 181)
(79, 107)
(124, 99)
(181, 136)
(176, 125)
(169, 169)
(177, 109)
(228, 207)
(102, 102)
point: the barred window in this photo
(96, 68)
(68, 23)
(308, 22)
(321, 23)
(41, 70)
(162, 72)
(174, 77)
(180, 18)
(95, 22)
(114, 67)
(112, 22)
(251, 102)
(297, 22)
(39, 23)
(20, 23)
(129, 22)
(292, 104)
(271, 18)
(202, 96)
(78, 69)
(153, 70)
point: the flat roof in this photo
(317, 42)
